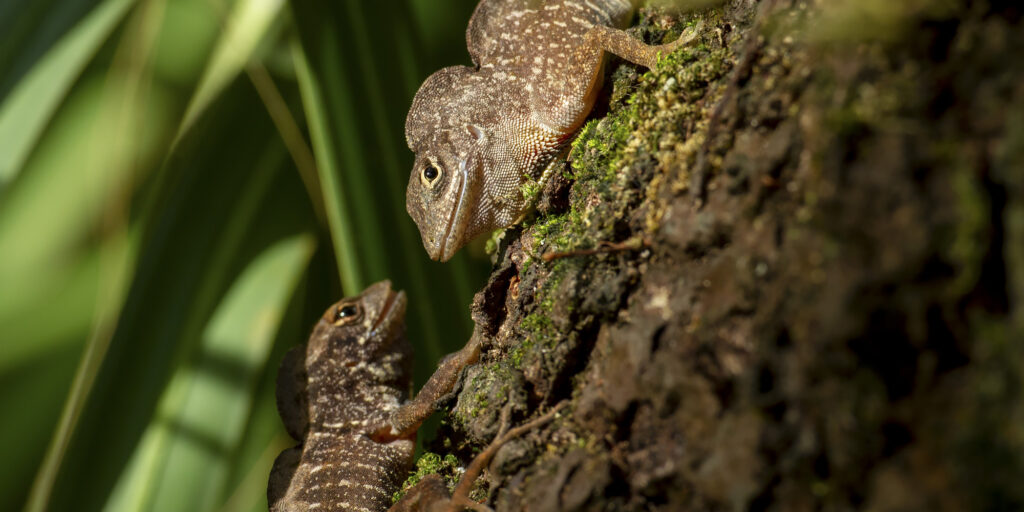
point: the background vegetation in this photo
(184, 186)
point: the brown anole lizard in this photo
(481, 133)
(341, 396)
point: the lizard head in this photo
(364, 329)
(451, 146)
(442, 195)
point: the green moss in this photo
(546, 227)
(562, 232)
(531, 191)
(485, 392)
(430, 464)
(538, 328)
(481, 405)
(525, 267)
(642, 127)
(481, 398)
(535, 322)
(520, 350)
(557, 274)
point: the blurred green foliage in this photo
(185, 186)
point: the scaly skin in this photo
(335, 394)
(340, 396)
(481, 133)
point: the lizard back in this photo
(506, 32)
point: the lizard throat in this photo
(455, 227)
(385, 316)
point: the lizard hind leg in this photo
(618, 42)
(567, 97)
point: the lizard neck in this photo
(356, 396)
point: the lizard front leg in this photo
(405, 420)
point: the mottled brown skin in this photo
(341, 396)
(481, 133)
(335, 395)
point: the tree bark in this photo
(784, 270)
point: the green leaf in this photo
(221, 205)
(246, 27)
(181, 462)
(338, 215)
(26, 110)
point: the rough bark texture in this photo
(808, 289)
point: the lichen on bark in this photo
(783, 270)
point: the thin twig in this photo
(460, 497)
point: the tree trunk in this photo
(785, 270)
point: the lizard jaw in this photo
(450, 240)
(392, 311)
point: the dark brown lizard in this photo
(342, 397)
(481, 133)
(334, 394)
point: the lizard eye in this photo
(347, 313)
(430, 175)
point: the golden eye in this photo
(430, 175)
(347, 313)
